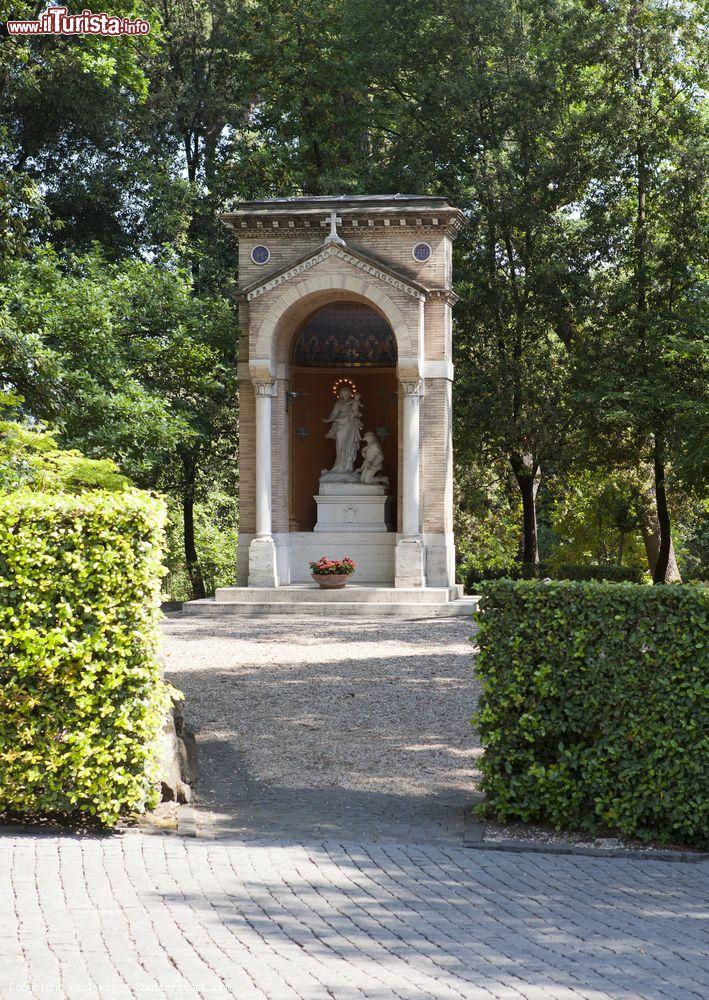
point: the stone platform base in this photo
(351, 507)
(355, 601)
(380, 558)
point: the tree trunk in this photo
(665, 568)
(193, 571)
(651, 538)
(526, 472)
(652, 533)
(656, 528)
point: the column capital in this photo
(264, 388)
(412, 387)
(260, 370)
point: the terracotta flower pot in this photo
(331, 581)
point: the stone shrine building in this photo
(345, 377)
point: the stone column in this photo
(411, 519)
(262, 551)
(263, 391)
(409, 548)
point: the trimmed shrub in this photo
(609, 572)
(82, 702)
(594, 711)
(472, 578)
(526, 571)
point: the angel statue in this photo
(346, 420)
(372, 461)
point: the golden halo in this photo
(337, 385)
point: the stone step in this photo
(461, 607)
(307, 593)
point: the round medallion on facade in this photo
(260, 255)
(421, 252)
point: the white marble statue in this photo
(372, 461)
(346, 420)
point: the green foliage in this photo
(66, 348)
(123, 356)
(594, 711)
(82, 702)
(474, 579)
(597, 517)
(31, 459)
(486, 516)
(642, 363)
(126, 361)
(477, 581)
(216, 536)
(609, 573)
(80, 80)
(695, 548)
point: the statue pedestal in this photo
(351, 507)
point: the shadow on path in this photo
(231, 803)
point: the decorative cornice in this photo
(352, 257)
(353, 228)
(443, 295)
(457, 224)
(297, 213)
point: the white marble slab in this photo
(351, 513)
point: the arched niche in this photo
(346, 335)
(341, 340)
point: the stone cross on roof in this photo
(332, 236)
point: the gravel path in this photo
(329, 728)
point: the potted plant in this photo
(332, 574)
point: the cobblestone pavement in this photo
(354, 729)
(139, 915)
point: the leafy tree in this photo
(127, 363)
(644, 360)
(572, 134)
(57, 107)
(30, 458)
(521, 257)
(694, 558)
(597, 518)
(216, 523)
(194, 125)
(486, 517)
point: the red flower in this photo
(324, 566)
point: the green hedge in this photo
(594, 711)
(81, 699)
(476, 580)
(473, 578)
(609, 573)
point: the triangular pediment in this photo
(330, 249)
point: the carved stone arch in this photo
(278, 325)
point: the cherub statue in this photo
(372, 461)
